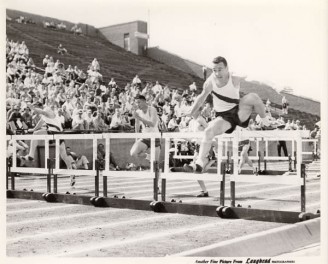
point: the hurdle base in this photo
(266, 215)
(171, 207)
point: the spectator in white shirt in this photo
(193, 87)
(173, 125)
(157, 88)
(167, 108)
(95, 64)
(78, 121)
(136, 81)
(112, 83)
(45, 61)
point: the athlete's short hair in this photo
(219, 59)
(140, 97)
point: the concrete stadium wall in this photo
(115, 34)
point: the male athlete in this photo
(48, 124)
(244, 158)
(231, 111)
(146, 117)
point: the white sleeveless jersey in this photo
(229, 90)
(53, 124)
(151, 111)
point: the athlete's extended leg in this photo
(216, 127)
(241, 164)
(138, 150)
(249, 103)
(34, 145)
(250, 163)
(67, 160)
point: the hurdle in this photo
(297, 179)
(52, 166)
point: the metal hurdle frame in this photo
(94, 171)
(295, 179)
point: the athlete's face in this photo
(141, 103)
(220, 70)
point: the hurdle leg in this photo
(295, 161)
(265, 162)
(222, 184)
(289, 163)
(259, 161)
(303, 188)
(7, 173)
(233, 193)
(49, 176)
(163, 190)
(105, 186)
(55, 183)
(155, 181)
(97, 183)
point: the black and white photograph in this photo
(141, 131)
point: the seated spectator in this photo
(116, 123)
(30, 64)
(166, 108)
(79, 122)
(45, 61)
(78, 31)
(27, 117)
(89, 120)
(101, 154)
(95, 65)
(61, 50)
(157, 88)
(136, 81)
(112, 83)
(173, 125)
(298, 125)
(183, 126)
(79, 162)
(61, 25)
(193, 87)
(288, 125)
(98, 122)
(16, 117)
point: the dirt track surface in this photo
(38, 228)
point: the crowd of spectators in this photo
(83, 101)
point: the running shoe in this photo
(203, 194)
(199, 169)
(27, 157)
(188, 168)
(72, 181)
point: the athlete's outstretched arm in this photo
(207, 89)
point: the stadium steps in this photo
(118, 62)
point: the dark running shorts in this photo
(232, 117)
(147, 142)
